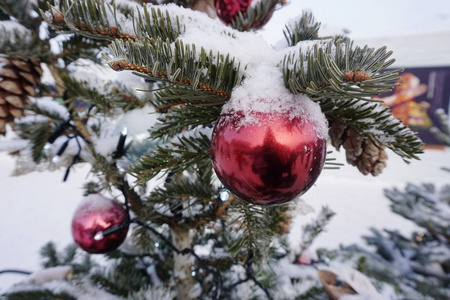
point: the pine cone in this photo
(284, 225)
(18, 78)
(360, 151)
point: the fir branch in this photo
(43, 111)
(92, 18)
(305, 29)
(212, 73)
(313, 229)
(153, 292)
(156, 23)
(101, 20)
(181, 188)
(49, 253)
(422, 204)
(107, 100)
(81, 263)
(78, 46)
(185, 109)
(38, 133)
(187, 151)
(185, 118)
(320, 72)
(253, 227)
(170, 96)
(126, 275)
(20, 10)
(376, 122)
(187, 202)
(17, 40)
(442, 134)
(38, 138)
(255, 16)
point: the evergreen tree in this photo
(415, 266)
(195, 71)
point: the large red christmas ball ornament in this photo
(270, 162)
(95, 214)
(227, 10)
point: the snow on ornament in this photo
(94, 215)
(268, 146)
(228, 10)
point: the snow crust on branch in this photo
(81, 290)
(19, 32)
(49, 105)
(263, 92)
(263, 89)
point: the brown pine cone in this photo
(18, 79)
(360, 151)
(284, 225)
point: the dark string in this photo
(14, 271)
(74, 160)
(249, 275)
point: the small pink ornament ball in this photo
(268, 163)
(95, 214)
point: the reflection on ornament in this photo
(224, 195)
(268, 163)
(95, 215)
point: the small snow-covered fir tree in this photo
(411, 267)
(415, 266)
(191, 238)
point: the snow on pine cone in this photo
(360, 151)
(18, 78)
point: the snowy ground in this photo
(37, 207)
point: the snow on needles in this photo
(263, 89)
(95, 202)
(249, 48)
(11, 26)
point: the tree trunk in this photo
(182, 264)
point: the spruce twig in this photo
(305, 29)
(320, 71)
(254, 16)
(180, 154)
(179, 65)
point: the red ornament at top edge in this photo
(227, 10)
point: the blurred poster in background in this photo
(422, 91)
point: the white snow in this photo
(13, 28)
(137, 121)
(93, 203)
(49, 105)
(50, 274)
